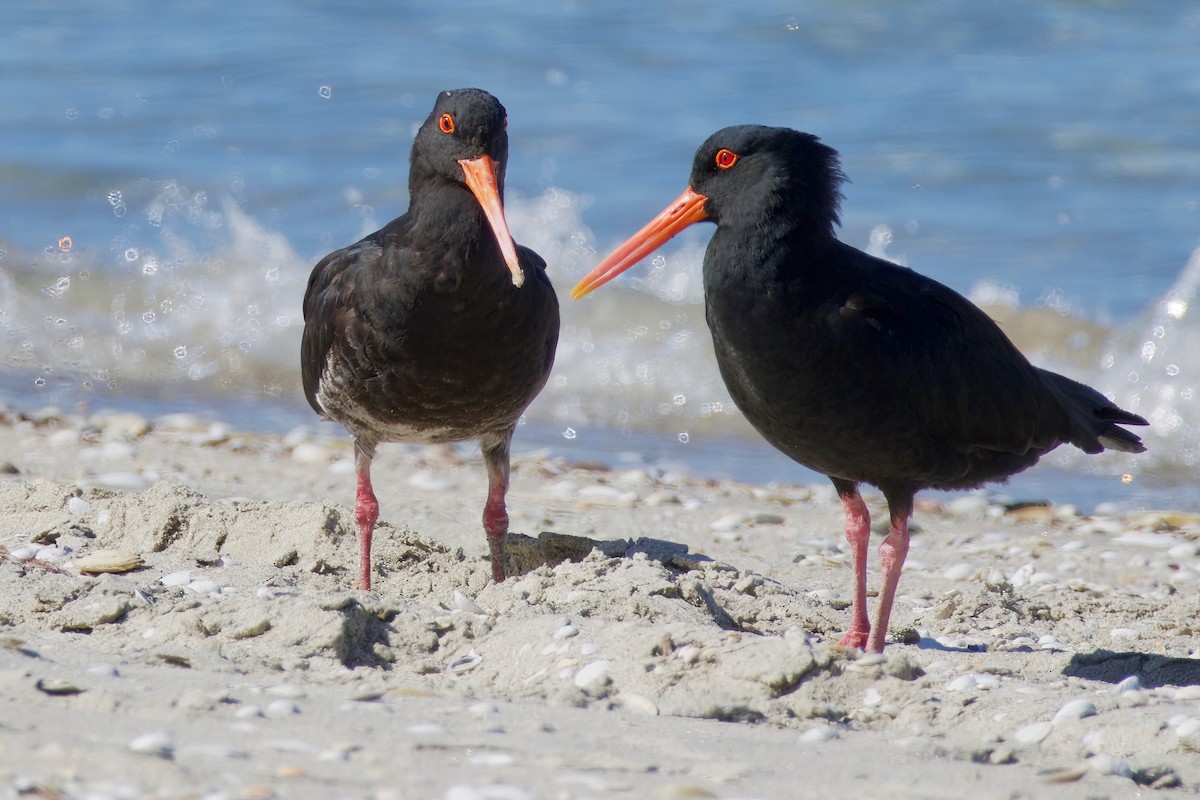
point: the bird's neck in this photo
(758, 256)
(442, 207)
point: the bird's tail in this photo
(1095, 420)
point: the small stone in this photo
(282, 708)
(639, 704)
(819, 733)
(959, 572)
(153, 744)
(1076, 709)
(594, 676)
(566, 632)
(483, 710)
(181, 578)
(311, 453)
(1129, 684)
(1188, 729)
(1002, 755)
(1107, 764)
(729, 522)
(1033, 733)
(662, 497)
(967, 505)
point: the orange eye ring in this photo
(726, 158)
(446, 123)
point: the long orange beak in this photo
(481, 180)
(687, 208)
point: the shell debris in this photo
(108, 561)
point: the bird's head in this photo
(465, 140)
(744, 176)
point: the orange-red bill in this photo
(687, 209)
(481, 180)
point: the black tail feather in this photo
(1095, 420)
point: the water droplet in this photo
(658, 262)
(119, 211)
(227, 80)
(569, 433)
(65, 244)
(62, 284)
(148, 317)
(131, 254)
(39, 381)
(172, 145)
(114, 198)
(683, 437)
(680, 400)
(325, 92)
(181, 351)
(1126, 478)
(72, 113)
(1172, 369)
(150, 268)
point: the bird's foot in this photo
(496, 545)
(855, 638)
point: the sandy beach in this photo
(662, 636)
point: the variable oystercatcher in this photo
(853, 366)
(437, 327)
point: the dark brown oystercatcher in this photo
(855, 367)
(437, 327)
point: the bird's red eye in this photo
(726, 158)
(446, 123)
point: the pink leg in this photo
(891, 553)
(366, 512)
(858, 534)
(495, 515)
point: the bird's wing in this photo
(336, 314)
(959, 376)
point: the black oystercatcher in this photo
(855, 367)
(437, 327)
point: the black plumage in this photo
(437, 327)
(858, 368)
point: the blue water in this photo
(170, 172)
